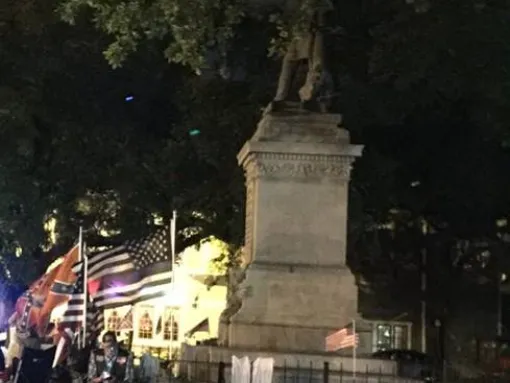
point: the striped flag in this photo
(132, 272)
(340, 339)
(95, 321)
(74, 315)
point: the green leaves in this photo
(77, 152)
(188, 28)
(424, 86)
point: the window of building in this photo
(389, 336)
(145, 326)
(113, 321)
(171, 329)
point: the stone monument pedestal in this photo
(296, 288)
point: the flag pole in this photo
(80, 259)
(354, 350)
(173, 235)
(85, 297)
(60, 347)
(173, 226)
(80, 244)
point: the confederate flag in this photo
(28, 306)
(62, 287)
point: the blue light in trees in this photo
(194, 132)
(129, 98)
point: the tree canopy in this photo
(422, 84)
(112, 151)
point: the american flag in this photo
(132, 272)
(95, 320)
(75, 311)
(74, 314)
(340, 339)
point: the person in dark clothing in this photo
(111, 363)
(60, 374)
(78, 359)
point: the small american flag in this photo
(340, 339)
(74, 314)
(132, 272)
(95, 320)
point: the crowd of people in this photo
(108, 362)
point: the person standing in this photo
(110, 364)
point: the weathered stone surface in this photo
(294, 124)
(292, 308)
(297, 287)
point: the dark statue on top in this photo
(316, 86)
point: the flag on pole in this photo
(43, 284)
(95, 320)
(130, 273)
(74, 314)
(28, 306)
(62, 287)
(343, 338)
(79, 307)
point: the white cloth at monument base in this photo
(149, 368)
(241, 369)
(263, 370)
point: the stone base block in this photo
(292, 307)
(278, 337)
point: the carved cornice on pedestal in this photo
(299, 145)
(297, 166)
